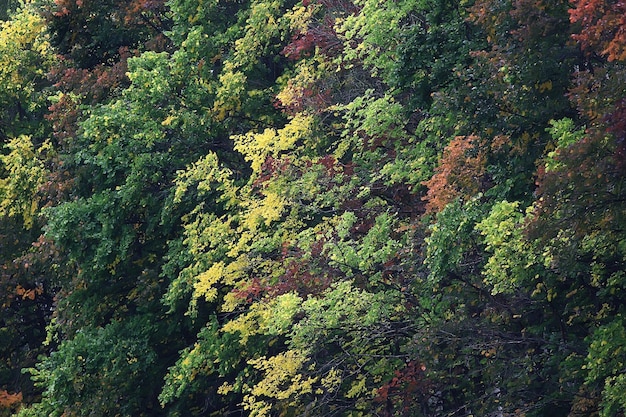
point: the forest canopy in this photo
(411, 208)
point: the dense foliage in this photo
(313, 208)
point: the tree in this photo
(338, 208)
(26, 156)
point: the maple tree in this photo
(602, 28)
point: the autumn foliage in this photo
(8, 400)
(458, 175)
(602, 27)
(336, 208)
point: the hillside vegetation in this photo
(411, 208)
